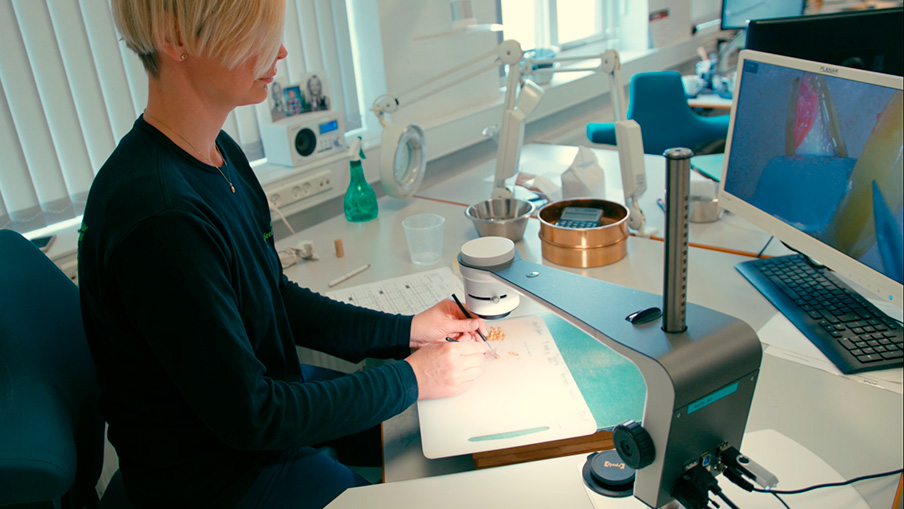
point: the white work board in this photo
(525, 396)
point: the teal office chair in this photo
(51, 430)
(658, 104)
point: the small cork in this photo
(340, 251)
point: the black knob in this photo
(634, 445)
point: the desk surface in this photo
(710, 102)
(557, 483)
(729, 232)
(856, 428)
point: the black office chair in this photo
(657, 102)
(51, 430)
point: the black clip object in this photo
(644, 316)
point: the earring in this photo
(183, 56)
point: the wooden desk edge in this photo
(599, 441)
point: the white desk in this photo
(856, 428)
(729, 232)
(557, 483)
(710, 102)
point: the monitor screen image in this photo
(869, 39)
(736, 13)
(814, 157)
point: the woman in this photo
(191, 322)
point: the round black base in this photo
(605, 473)
(494, 317)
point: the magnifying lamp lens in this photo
(408, 160)
(403, 171)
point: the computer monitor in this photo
(736, 13)
(814, 158)
(869, 39)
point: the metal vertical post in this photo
(674, 288)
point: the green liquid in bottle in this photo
(360, 199)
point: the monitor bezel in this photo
(822, 37)
(887, 289)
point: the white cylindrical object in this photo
(485, 296)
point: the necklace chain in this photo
(219, 169)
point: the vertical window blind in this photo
(70, 89)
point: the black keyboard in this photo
(848, 329)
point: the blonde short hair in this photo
(232, 31)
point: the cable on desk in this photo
(760, 254)
(780, 500)
(829, 485)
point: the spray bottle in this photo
(360, 199)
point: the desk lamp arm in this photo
(389, 103)
(610, 65)
(627, 132)
(516, 106)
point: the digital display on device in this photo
(329, 126)
(580, 217)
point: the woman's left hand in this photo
(444, 320)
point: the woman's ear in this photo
(174, 50)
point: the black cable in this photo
(760, 254)
(726, 500)
(830, 485)
(780, 500)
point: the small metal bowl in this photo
(500, 217)
(704, 210)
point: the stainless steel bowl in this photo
(500, 217)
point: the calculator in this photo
(580, 217)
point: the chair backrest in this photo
(51, 430)
(657, 95)
(659, 105)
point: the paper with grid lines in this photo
(405, 295)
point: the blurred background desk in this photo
(710, 102)
(855, 427)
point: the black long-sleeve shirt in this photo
(193, 327)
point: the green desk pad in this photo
(611, 385)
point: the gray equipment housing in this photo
(700, 382)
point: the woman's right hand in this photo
(445, 369)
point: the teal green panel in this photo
(611, 385)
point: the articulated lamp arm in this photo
(404, 148)
(627, 132)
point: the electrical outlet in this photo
(303, 188)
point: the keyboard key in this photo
(892, 354)
(848, 317)
(869, 358)
(847, 344)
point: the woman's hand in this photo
(445, 369)
(444, 320)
